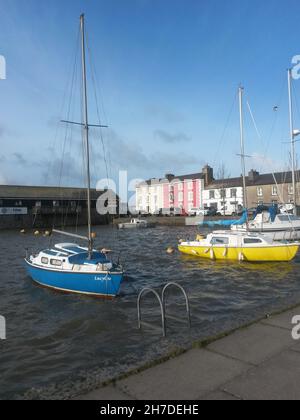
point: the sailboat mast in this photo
(86, 131)
(241, 92)
(292, 134)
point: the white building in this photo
(226, 196)
(150, 196)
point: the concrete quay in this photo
(258, 362)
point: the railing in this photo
(162, 304)
(56, 210)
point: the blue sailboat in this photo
(69, 267)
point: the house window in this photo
(274, 190)
(291, 189)
(190, 185)
(211, 195)
(223, 193)
(180, 197)
(180, 187)
(260, 192)
(233, 193)
(191, 196)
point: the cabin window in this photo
(45, 260)
(252, 241)
(56, 263)
(219, 241)
(274, 190)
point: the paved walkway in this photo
(261, 362)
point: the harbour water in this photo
(59, 345)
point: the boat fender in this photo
(225, 252)
(241, 256)
(23, 231)
(36, 233)
(212, 254)
(105, 251)
(94, 235)
(170, 250)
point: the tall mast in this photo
(241, 92)
(86, 131)
(292, 134)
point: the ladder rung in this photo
(152, 326)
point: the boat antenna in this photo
(293, 135)
(86, 134)
(241, 93)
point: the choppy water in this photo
(77, 342)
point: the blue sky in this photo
(168, 72)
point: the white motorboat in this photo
(279, 227)
(136, 224)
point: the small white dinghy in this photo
(136, 224)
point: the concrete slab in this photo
(188, 377)
(283, 320)
(219, 396)
(254, 344)
(108, 393)
(276, 379)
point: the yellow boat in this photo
(238, 246)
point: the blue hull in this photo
(106, 285)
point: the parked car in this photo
(173, 211)
(230, 211)
(195, 211)
(212, 211)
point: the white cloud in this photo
(266, 164)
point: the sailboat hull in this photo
(261, 254)
(93, 284)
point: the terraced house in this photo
(225, 195)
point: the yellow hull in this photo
(283, 252)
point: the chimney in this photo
(170, 177)
(208, 173)
(253, 175)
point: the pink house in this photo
(183, 192)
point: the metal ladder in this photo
(162, 304)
